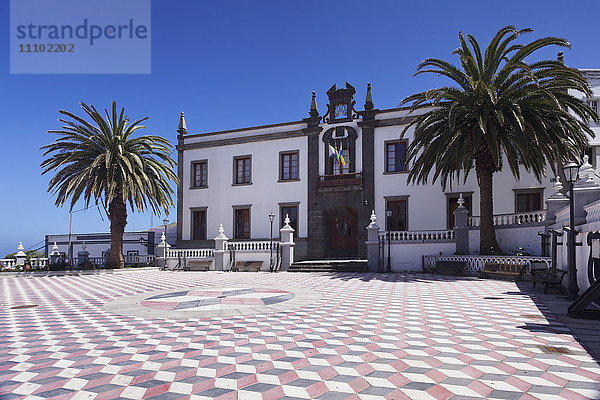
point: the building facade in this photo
(238, 177)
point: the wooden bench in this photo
(553, 278)
(247, 266)
(510, 271)
(449, 267)
(197, 265)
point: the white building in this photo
(237, 177)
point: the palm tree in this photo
(499, 110)
(102, 161)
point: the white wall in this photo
(264, 194)
(510, 239)
(408, 257)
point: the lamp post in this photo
(271, 218)
(388, 214)
(571, 170)
(165, 223)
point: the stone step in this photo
(330, 266)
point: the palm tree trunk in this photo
(487, 238)
(117, 213)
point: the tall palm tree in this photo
(499, 109)
(102, 161)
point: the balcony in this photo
(341, 181)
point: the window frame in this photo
(237, 208)
(282, 214)
(282, 154)
(235, 170)
(204, 220)
(193, 174)
(529, 191)
(385, 158)
(394, 199)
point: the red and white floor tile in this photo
(398, 336)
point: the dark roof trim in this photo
(250, 128)
(242, 139)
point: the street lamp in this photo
(271, 218)
(388, 214)
(165, 223)
(571, 170)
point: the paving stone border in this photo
(131, 305)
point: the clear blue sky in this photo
(235, 64)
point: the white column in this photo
(287, 245)
(162, 248)
(220, 245)
(373, 244)
(20, 256)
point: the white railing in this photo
(592, 212)
(140, 260)
(38, 262)
(8, 262)
(475, 263)
(525, 218)
(419, 236)
(190, 253)
(257, 247)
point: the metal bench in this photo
(198, 265)
(511, 271)
(553, 278)
(247, 266)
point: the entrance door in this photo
(343, 232)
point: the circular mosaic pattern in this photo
(212, 302)
(211, 299)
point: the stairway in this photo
(330, 266)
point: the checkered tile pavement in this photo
(398, 336)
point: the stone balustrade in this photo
(592, 212)
(190, 253)
(419, 236)
(252, 246)
(525, 218)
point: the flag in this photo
(340, 157)
(332, 152)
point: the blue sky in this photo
(234, 64)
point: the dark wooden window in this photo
(453, 204)
(337, 167)
(395, 156)
(242, 170)
(531, 201)
(242, 223)
(398, 220)
(199, 225)
(292, 212)
(289, 166)
(200, 174)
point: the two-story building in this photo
(238, 177)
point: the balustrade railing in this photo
(262, 246)
(475, 263)
(592, 212)
(190, 253)
(351, 179)
(419, 236)
(525, 218)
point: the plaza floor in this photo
(212, 335)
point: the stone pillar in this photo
(83, 255)
(586, 190)
(55, 255)
(555, 202)
(373, 244)
(287, 245)
(461, 228)
(161, 251)
(20, 256)
(220, 247)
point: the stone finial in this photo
(587, 175)
(461, 201)
(20, 247)
(221, 235)
(369, 98)
(314, 112)
(182, 128)
(557, 188)
(83, 247)
(560, 57)
(373, 217)
(54, 247)
(286, 221)
(163, 238)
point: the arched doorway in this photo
(343, 231)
